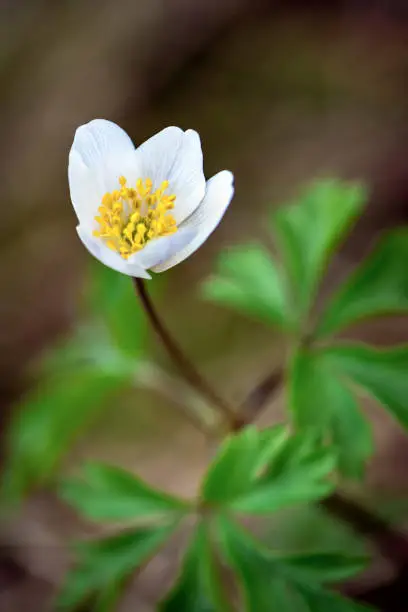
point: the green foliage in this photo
(111, 494)
(383, 374)
(103, 565)
(198, 588)
(79, 377)
(320, 398)
(308, 231)
(379, 286)
(248, 476)
(254, 472)
(289, 582)
(112, 301)
(48, 421)
(323, 386)
(264, 577)
(310, 528)
(249, 280)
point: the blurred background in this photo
(281, 93)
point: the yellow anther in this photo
(107, 200)
(141, 229)
(130, 217)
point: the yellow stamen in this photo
(132, 216)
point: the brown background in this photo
(281, 93)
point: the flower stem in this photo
(184, 364)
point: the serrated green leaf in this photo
(259, 582)
(272, 440)
(379, 286)
(262, 471)
(199, 587)
(249, 281)
(49, 420)
(308, 231)
(111, 493)
(102, 565)
(301, 486)
(382, 373)
(232, 470)
(291, 583)
(297, 450)
(321, 399)
(297, 474)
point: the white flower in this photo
(147, 208)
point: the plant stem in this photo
(184, 364)
(392, 544)
(256, 399)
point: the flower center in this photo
(131, 216)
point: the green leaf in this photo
(382, 373)
(325, 602)
(262, 471)
(309, 231)
(379, 286)
(111, 493)
(309, 528)
(290, 582)
(272, 440)
(89, 346)
(231, 472)
(111, 297)
(321, 399)
(48, 421)
(199, 587)
(304, 483)
(311, 391)
(249, 281)
(322, 567)
(351, 434)
(102, 565)
(258, 580)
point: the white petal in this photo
(83, 189)
(159, 250)
(107, 152)
(109, 258)
(98, 139)
(176, 156)
(205, 219)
